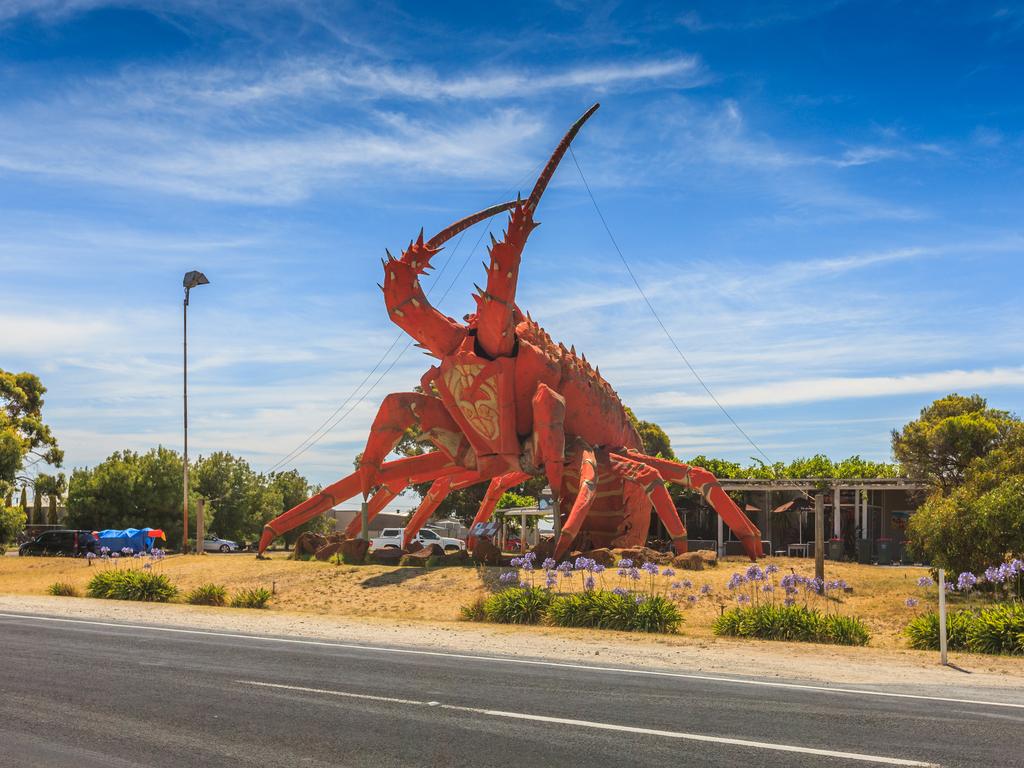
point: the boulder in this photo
(353, 551)
(420, 556)
(689, 561)
(327, 551)
(709, 556)
(543, 551)
(307, 544)
(457, 557)
(387, 556)
(486, 552)
(601, 556)
(641, 555)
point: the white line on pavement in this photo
(530, 662)
(605, 726)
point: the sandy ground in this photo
(418, 607)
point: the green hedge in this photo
(130, 584)
(994, 629)
(792, 622)
(599, 609)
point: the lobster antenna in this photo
(448, 233)
(556, 158)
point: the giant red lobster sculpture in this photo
(506, 403)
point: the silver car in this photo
(213, 543)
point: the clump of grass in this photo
(208, 594)
(611, 610)
(473, 611)
(63, 589)
(517, 605)
(116, 584)
(923, 631)
(791, 622)
(251, 598)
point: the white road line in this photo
(528, 662)
(606, 726)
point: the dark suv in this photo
(67, 543)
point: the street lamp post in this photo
(191, 280)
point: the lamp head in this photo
(194, 278)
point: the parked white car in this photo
(392, 537)
(214, 543)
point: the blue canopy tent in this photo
(139, 539)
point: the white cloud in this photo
(839, 388)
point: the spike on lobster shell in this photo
(419, 240)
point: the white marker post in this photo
(942, 616)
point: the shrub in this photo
(923, 631)
(517, 605)
(115, 584)
(997, 629)
(473, 611)
(251, 598)
(62, 589)
(791, 622)
(207, 594)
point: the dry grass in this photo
(435, 595)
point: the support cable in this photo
(664, 328)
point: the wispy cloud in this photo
(824, 389)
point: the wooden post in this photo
(819, 536)
(364, 521)
(942, 616)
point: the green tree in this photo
(243, 501)
(656, 441)
(951, 433)
(129, 490)
(22, 431)
(12, 522)
(980, 522)
(52, 487)
(293, 489)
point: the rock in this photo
(307, 544)
(543, 551)
(601, 556)
(641, 555)
(353, 551)
(709, 556)
(327, 551)
(689, 561)
(458, 557)
(387, 556)
(486, 552)
(420, 556)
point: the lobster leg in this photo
(707, 485)
(498, 486)
(430, 464)
(549, 433)
(433, 498)
(648, 478)
(581, 506)
(398, 412)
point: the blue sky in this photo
(822, 200)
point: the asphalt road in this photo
(83, 694)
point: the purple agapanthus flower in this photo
(789, 601)
(912, 602)
(548, 564)
(589, 582)
(771, 569)
(736, 581)
(925, 581)
(508, 578)
(687, 584)
(564, 567)
(516, 562)
(754, 573)
(691, 599)
(965, 581)
(625, 563)
(634, 574)
(598, 568)
(668, 572)
(651, 568)
(743, 598)
(620, 591)
(767, 587)
(705, 589)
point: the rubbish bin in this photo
(835, 549)
(864, 551)
(885, 551)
